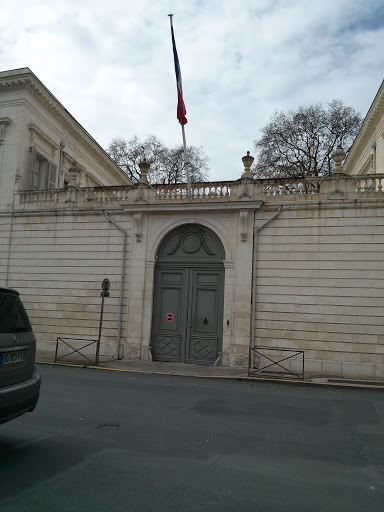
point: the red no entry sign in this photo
(169, 317)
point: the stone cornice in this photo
(363, 137)
(193, 207)
(372, 202)
(20, 79)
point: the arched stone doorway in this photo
(188, 296)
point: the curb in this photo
(355, 385)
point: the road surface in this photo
(116, 441)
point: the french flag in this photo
(181, 111)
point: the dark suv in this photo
(19, 378)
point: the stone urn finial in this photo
(247, 162)
(144, 168)
(338, 156)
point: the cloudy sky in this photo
(110, 63)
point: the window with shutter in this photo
(40, 170)
(51, 175)
(33, 178)
(43, 173)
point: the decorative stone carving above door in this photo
(191, 241)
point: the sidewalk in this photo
(201, 371)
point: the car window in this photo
(13, 317)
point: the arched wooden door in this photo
(188, 296)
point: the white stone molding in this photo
(367, 166)
(4, 122)
(82, 178)
(243, 215)
(85, 176)
(36, 131)
(192, 219)
(138, 221)
(18, 177)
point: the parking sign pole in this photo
(104, 293)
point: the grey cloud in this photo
(112, 66)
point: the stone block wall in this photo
(57, 263)
(320, 286)
(319, 271)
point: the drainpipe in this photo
(373, 146)
(61, 159)
(254, 268)
(15, 190)
(121, 280)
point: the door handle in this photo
(205, 321)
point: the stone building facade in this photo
(282, 264)
(42, 145)
(367, 153)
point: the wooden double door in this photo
(188, 313)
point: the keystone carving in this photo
(244, 225)
(191, 238)
(137, 219)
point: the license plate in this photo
(11, 357)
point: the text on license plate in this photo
(11, 357)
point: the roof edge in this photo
(369, 120)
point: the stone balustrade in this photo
(220, 191)
(370, 183)
(76, 195)
(200, 191)
(290, 187)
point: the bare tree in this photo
(300, 143)
(167, 164)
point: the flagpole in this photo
(186, 162)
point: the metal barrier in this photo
(76, 350)
(258, 350)
(105, 285)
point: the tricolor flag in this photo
(181, 111)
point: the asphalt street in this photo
(116, 441)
